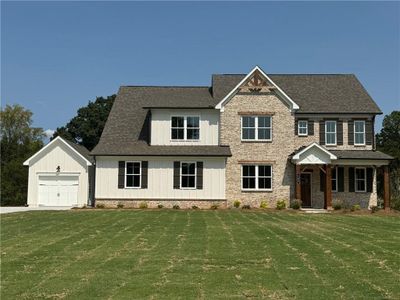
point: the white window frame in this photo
(195, 175)
(185, 128)
(140, 175)
(256, 177)
(356, 180)
(255, 128)
(335, 189)
(326, 133)
(300, 127)
(355, 133)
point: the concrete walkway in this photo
(12, 209)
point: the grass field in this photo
(144, 254)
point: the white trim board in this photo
(57, 139)
(221, 104)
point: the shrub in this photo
(176, 206)
(246, 206)
(264, 204)
(374, 209)
(194, 207)
(355, 207)
(296, 204)
(143, 205)
(120, 205)
(281, 204)
(100, 205)
(337, 205)
(214, 206)
(395, 203)
(160, 206)
(236, 203)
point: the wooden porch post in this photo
(328, 187)
(298, 182)
(386, 188)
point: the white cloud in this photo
(49, 133)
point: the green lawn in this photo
(169, 254)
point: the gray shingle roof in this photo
(314, 93)
(360, 154)
(81, 150)
(127, 128)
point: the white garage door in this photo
(58, 190)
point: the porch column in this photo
(328, 187)
(386, 188)
(298, 182)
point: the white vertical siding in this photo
(58, 154)
(160, 179)
(161, 126)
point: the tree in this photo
(19, 140)
(388, 141)
(86, 127)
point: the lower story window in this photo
(334, 180)
(360, 180)
(256, 177)
(188, 175)
(132, 174)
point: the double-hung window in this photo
(188, 175)
(302, 126)
(185, 128)
(330, 132)
(360, 180)
(334, 179)
(256, 177)
(132, 174)
(359, 132)
(256, 128)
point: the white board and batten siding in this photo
(160, 179)
(47, 187)
(161, 126)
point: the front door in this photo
(305, 189)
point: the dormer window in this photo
(185, 128)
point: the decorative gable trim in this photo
(57, 139)
(313, 157)
(256, 84)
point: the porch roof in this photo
(317, 154)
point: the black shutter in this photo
(322, 132)
(340, 132)
(199, 177)
(369, 135)
(351, 179)
(350, 132)
(370, 178)
(321, 180)
(310, 127)
(121, 174)
(340, 179)
(296, 124)
(177, 166)
(145, 166)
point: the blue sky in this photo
(56, 56)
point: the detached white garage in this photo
(59, 175)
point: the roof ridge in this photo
(294, 74)
(168, 86)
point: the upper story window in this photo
(257, 177)
(302, 127)
(330, 133)
(132, 174)
(185, 128)
(359, 132)
(257, 128)
(188, 175)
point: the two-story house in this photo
(252, 138)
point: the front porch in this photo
(323, 178)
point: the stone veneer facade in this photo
(284, 143)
